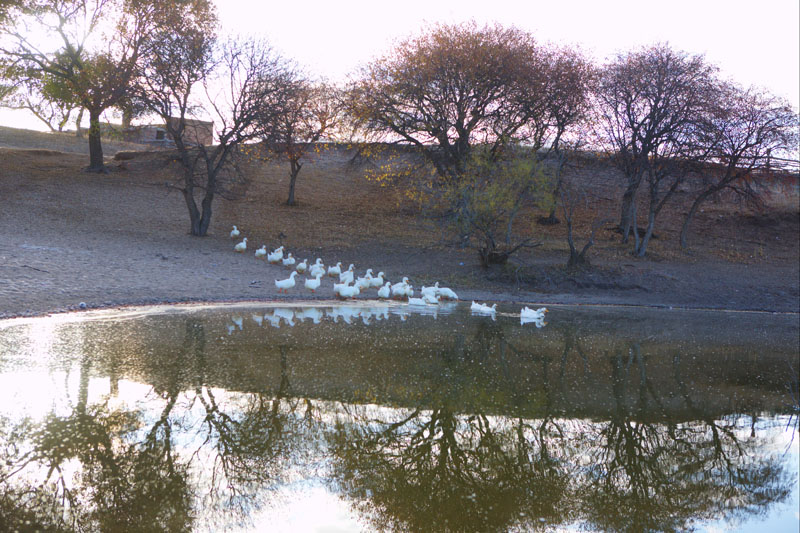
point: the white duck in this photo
(397, 286)
(349, 291)
(235, 233)
(402, 290)
(289, 261)
(430, 290)
(483, 309)
(377, 281)
(284, 285)
(313, 284)
(430, 299)
(302, 266)
(385, 291)
(408, 291)
(317, 268)
(261, 252)
(530, 315)
(276, 255)
(348, 275)
(241, 247)
(446, 294)
(334, 271)
(366, 281)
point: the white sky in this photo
(751, 44)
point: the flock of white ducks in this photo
(350, 286)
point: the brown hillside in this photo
(740, 258)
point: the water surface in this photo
(387, 418)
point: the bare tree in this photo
(647, 101)
(190, 75)
(744, 128)
(570, 77)
(569, 200)
(95, 65)
(311, 111)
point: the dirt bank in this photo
(68, 237)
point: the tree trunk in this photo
(78, 120)
(295, 167)
(95, 146)
(692, 210)
(194, 212)
(627, 210)
(651, 223)
(205, 217)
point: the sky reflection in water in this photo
(352, 418)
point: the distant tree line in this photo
(493, 114)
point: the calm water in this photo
(256, 418)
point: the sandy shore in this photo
(52, 271)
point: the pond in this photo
(392, 418)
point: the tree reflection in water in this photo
(101, 468)
(496, 439)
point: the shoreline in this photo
(150, 304)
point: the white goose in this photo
(402, 290)
(241, 247)
(284, 285)
(261, 252)
(430, 290)
(430, 299)
(276, 255)
(385, 291)
(446, 294)
(289, 261)
(334, 271)
(377, 281)
(317, 268)
(366, 281)
(527, 315)
(483, 309)
(348, 275)
(302, 266)
(235, 233)
(313, 284)
(349, 291)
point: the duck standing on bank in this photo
(313, 283)
(284, 285)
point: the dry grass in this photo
(60, 142)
